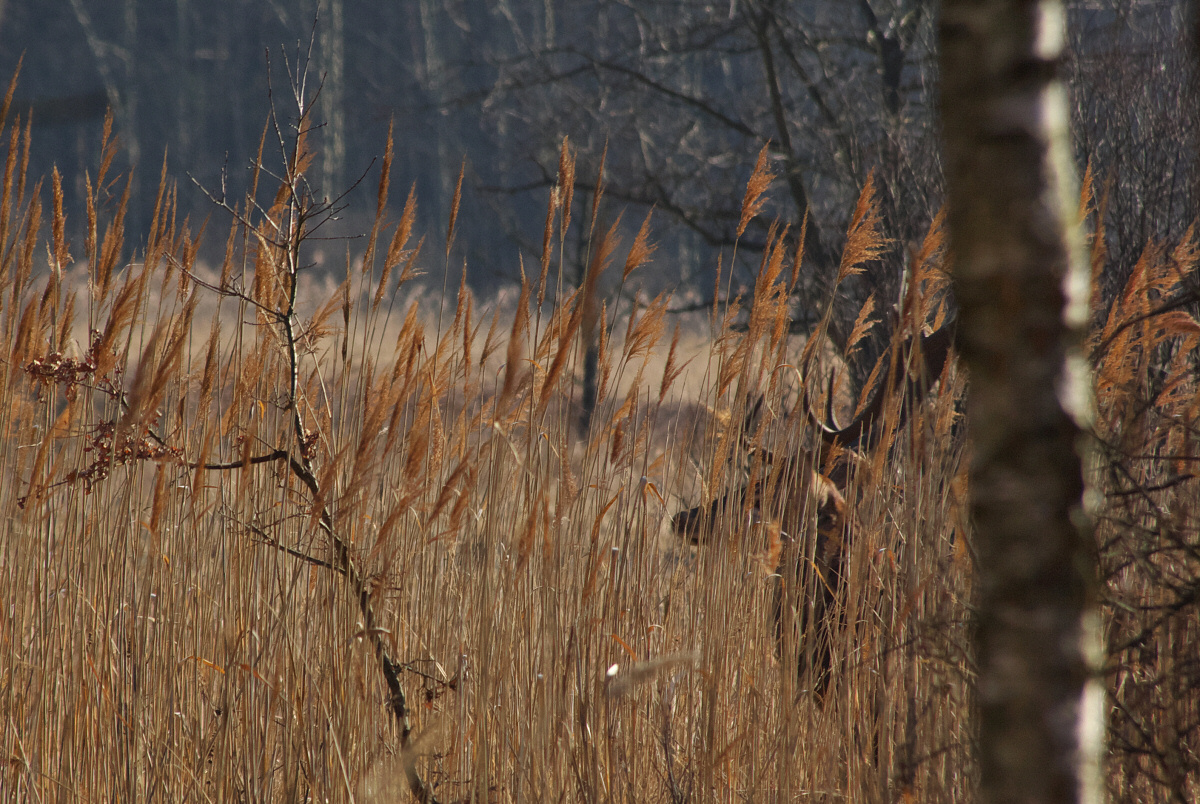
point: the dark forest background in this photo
(684, 94)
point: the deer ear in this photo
(936, 349)
(758, 403)
(752, 416)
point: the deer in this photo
(807, 496)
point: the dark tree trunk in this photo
(1022, 290)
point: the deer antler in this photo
(934, 350)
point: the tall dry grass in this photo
(257, 549)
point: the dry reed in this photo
(284, 562)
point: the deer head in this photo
(800, 472)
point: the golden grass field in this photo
(238, 503)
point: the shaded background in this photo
(684, 94)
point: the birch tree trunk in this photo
(1022, 290)
(120, 88)
(333, 51)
